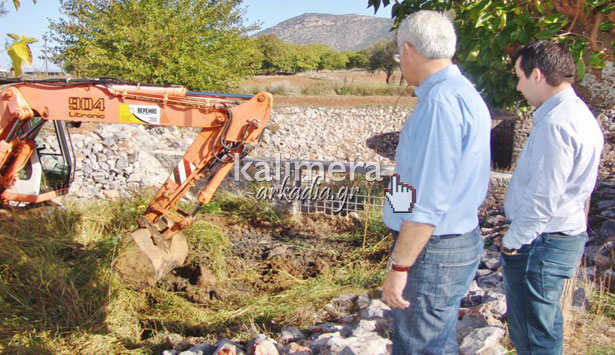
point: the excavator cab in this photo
(57, 158)
(51, 167)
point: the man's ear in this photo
(413, 51)
(410, 50)
(536, 75)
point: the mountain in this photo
(340, 32)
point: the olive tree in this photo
(201, 44)
(381, 58)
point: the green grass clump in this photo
(603, 303)
(246, 206)
(207, 240)
(600, 350)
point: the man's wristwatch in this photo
(393, 265)
(509, 251)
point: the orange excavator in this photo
(230, 125)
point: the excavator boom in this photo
(229, 124)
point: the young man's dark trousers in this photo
(534, 280)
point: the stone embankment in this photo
(114, 160)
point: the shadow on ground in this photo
(50, 283)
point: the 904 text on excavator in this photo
(229, 125)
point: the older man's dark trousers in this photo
(436, 283)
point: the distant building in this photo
(39, 73)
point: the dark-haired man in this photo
(546, 199)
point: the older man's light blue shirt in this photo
(444, 154)
(556, 171)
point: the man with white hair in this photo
(441, 178)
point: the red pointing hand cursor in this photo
(400, 195)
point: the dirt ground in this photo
(303, 80)
(341, 101)
(274, 256)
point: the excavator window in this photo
(55, 154)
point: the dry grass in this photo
(342, 101)
(332, 89)
(591, 332)
(58, 293)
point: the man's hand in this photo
(393, 288)
(401, 196)
(498, 242)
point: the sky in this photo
(33, 20)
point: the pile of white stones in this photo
(115, 160)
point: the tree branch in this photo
(580, 4)
(593, 36)
(563, 9)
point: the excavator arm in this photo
(229, 125)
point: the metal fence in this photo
(314, 186)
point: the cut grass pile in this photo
(58, 293)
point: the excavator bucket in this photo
(142, 262)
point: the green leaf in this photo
(17, 4)
(547, 33)
(606, 26)
(482, 19)
(522, 20)
(607, 9)
(579, 45)
(580, 69)
(502, 40)
(524, 37)
(503, 21)
(553, 18)
(597, 60)
(473, 55)
(14, 36)
(596, 3)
